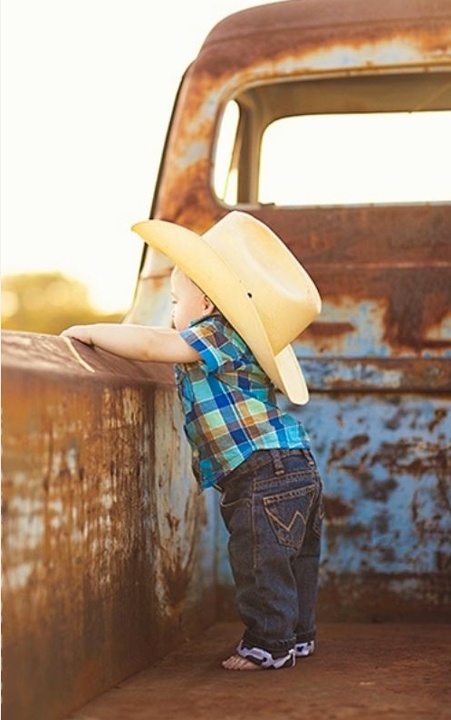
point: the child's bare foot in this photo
(259, 659)
(236, 662)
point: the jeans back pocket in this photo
(288, 513)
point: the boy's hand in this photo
(78, 332)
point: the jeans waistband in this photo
(260, 458)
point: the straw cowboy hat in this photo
(254, 281)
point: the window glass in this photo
(224, 174)
(357, 158)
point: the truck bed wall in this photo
(108, 550)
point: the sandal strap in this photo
(265, 659)
(304, 649)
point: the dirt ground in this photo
(360, 672)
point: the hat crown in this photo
(284, 295)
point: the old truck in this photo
(330, 121)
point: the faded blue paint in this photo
(364, 329)
(385, 462)
(194, 152)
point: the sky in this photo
(87, 90)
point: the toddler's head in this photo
(189, 302)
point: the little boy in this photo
(239, 297)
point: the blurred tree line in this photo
(47, 303)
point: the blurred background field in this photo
(47, 303)
(87, 95)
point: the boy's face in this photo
(188, 301)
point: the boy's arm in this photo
(135, 342)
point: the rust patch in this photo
(243, 39)
(336, 508)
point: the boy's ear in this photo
(208, 305)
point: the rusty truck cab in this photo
(354, 98)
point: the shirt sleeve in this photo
(218, 348)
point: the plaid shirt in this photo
(229, 403)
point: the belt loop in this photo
(279, 468)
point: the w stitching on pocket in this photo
(288, 512)
(319, 517)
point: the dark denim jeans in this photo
(272, 506)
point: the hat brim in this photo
(200, 262)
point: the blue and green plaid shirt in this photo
(229, 403)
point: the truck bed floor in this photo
(360, 672)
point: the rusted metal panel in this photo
(283, 42)
(385, 312)
(383, 271)
(431, 377)
(387, 467)
(330, 35)
(105, 541)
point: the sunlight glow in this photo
(88, 90)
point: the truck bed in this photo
(362, 671)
